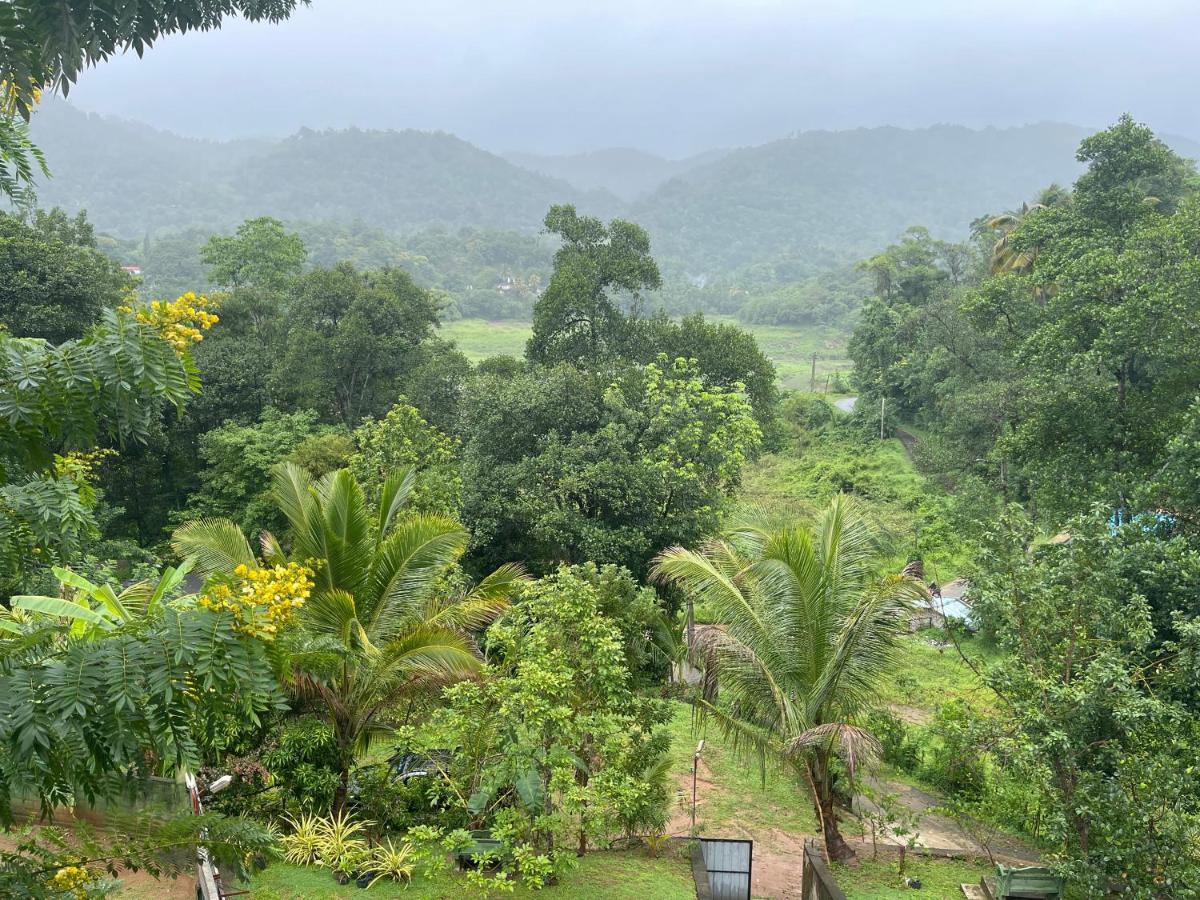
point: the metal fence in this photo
(723, 868)
(141, 797)
(816, 882)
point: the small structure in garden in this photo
(721, 868)
(1022, 883)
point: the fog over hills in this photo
(623, 171)
(800, 204)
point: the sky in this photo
(670, 76)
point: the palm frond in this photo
(217, 545)
(417, 551)
(852, 744)
(396, 490)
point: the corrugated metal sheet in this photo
(729, 865)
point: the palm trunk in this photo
(342, 791)
(836, 847)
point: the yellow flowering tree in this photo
(181, 322)
(379, 626)
(261, 600)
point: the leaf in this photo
(64, 609)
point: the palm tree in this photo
(378, 628)
(805, 631)
(1006, 257)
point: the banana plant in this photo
(94, 608)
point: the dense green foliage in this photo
(770, 230)
(556, 724)
(1099, 700)
(53, 282)
(1060, 376)
(565, 465)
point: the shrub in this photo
(390, 861)
(302, 756)
(954, 761)
(303, 845)
(399, 805)
(897, 748)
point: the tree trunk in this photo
(341, 792)
(836, 847)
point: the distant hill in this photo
(824, 198)
(747, 219)
(623, 171)
(133, 179)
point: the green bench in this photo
(482, 843)
(1025, 883)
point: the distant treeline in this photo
(752, 232)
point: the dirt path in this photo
(777, 854)
(908, 440)
(944, 833)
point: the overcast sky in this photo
(672, 76)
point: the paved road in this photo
(846, 404)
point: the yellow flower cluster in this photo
(182, 322)
(80, 466)
(73, 880)
(9, 95)
(265, 599)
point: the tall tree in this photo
(1098, 689)
(350, 337)
(578, 318)
(805, 631)
(51, 285)
(561, 465)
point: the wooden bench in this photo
(482, 844)
(1023, 883)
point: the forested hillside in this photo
(753, 219)
(805, 203)
(133, 179)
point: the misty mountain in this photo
(753, 217)
(134, 180)
(623, 171)
(817, 199)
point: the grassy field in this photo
(478, 338)
(880, 879)
(908, 512)
(927, 676)
(790, 348)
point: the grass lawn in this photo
(880, 880)
(927, 676)
(624, 875)
(735, 795)
(478, 338)
(789, 347)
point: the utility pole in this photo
(812, 379)
(882, 410)
(826, 382)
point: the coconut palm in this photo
(1006, 256)
(805, 631)
(382, 625)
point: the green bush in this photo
(898, 748)
(302, 757)
(399, 805)
(954, 760)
